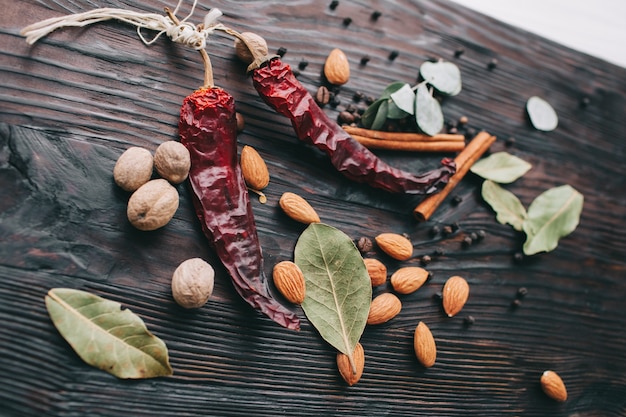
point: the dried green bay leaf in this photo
(551, 216)
(338, 287)
(395, 112)
(508, 208)
(542, 115)
(107, 337)
(428, 112)
(381, 116)
(501, 167)
(444, 76)
(367, 119)
(404, 99)
(391, 88)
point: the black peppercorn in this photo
(347, 21)
(437, 296)
(456, 200)
(585, 101)
(510, 141)
(365, 60)
(458, 52)
(481, 234)
(492, 64)
(435, 230)
(281, 51)
(447, 230)
(455, 226)
(518, 257)
(474, 236)
(358, 96)
(303, 64)
(463, 120)
(333, 4)
(521, 292)
(425, 260)
(393, 55)
(469, 320)
(439, 252)
(466, 242)
(376, 14)
(516, 303)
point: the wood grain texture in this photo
(72, 103)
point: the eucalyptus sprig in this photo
(399, 100)
(552, 215)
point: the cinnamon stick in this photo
(472, 152)
(402, 136)
(402, 145)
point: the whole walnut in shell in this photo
(172, 161)
(133, 168)
(192, 283)
(153, 205)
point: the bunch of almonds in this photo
(153, 202)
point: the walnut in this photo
(153, 205)
(192, 283)
(133, 168)
(172, 161)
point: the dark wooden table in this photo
(71, 104)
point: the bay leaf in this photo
(404, 98)
(381, 116)
(444, 76)
(542, 115)
(107, 337)
(501, 167)
(551, 216)
(428, 112)
(367, 119)
(508, 208)
(338, 287)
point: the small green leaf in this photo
(541, 114)
(391, 88)
(551, 216)
(381, 116)
(394, 112)
(338, 287)
(370, 113)
(404, 98)
(444, 76)
(428, 112)
(508, 208)
(107, 337)
(501, 167)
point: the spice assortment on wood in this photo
(327, 265)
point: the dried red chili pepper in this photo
(208, 128)
(279, 88)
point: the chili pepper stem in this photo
(262, 197)
(208, 68)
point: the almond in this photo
(254, 169)
(298, 208)
(345, 368)
(408, 279)
(395, 245)
(455, 294)
(337, 67)
(383, 308)
(377, 271)
(424, 344)
(553, 386)
(289, 281)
